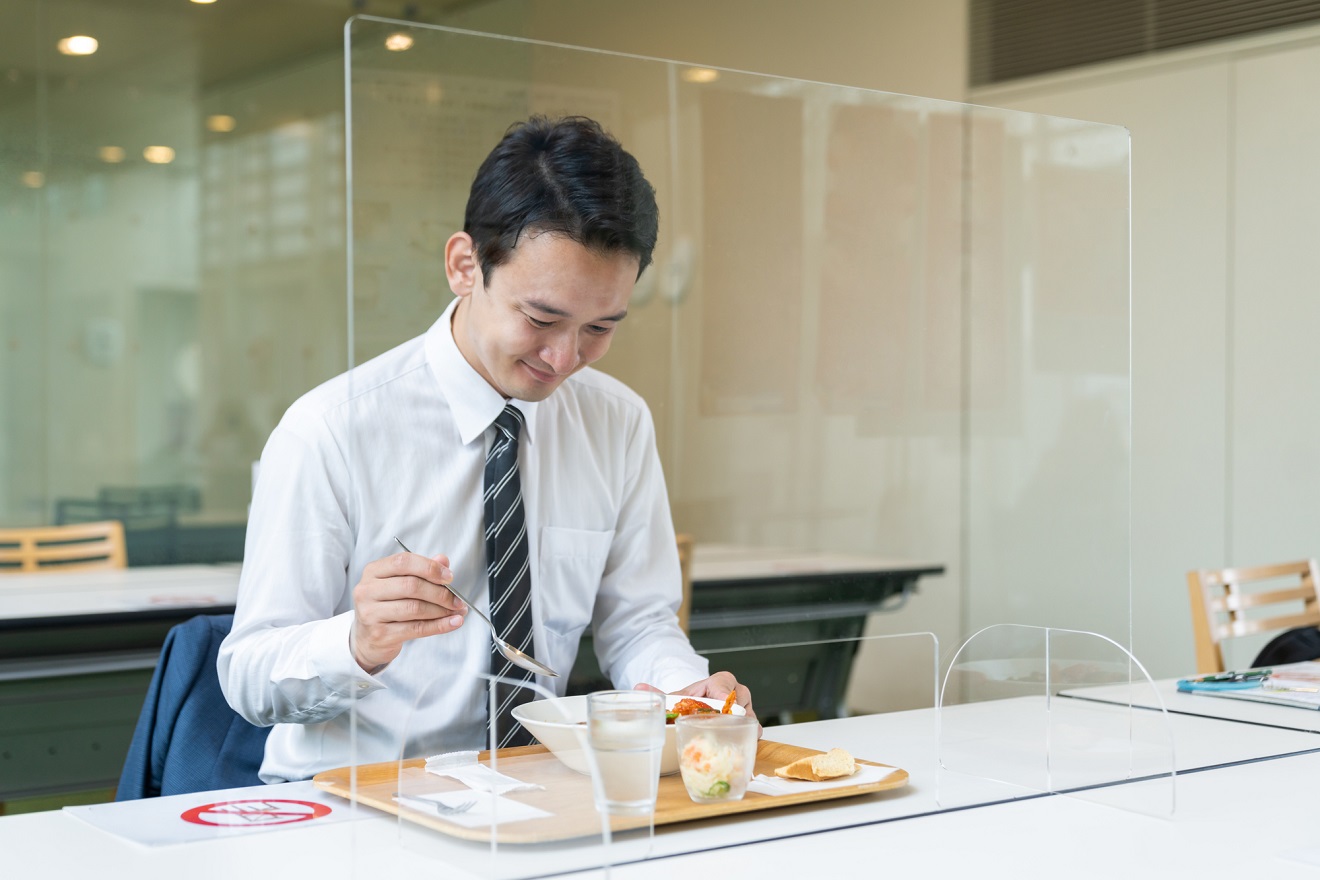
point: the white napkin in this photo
(463, 766)
(774, 785)
(488, 809)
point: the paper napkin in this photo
(774, 785)
(463, 766)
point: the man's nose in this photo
(561, 354)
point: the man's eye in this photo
(598, 329)
(540, 325)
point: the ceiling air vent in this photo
(1017, 38)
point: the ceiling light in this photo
(220, 122)
(159, 155)
(700, 75)
(113, 155)
(79, 45)
(398, 42)
(33, 179)
(203, 2)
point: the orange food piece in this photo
(690, 706)
(728, 703)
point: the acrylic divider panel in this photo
(1009, 724)
(854, 347)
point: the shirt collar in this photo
(474, 402)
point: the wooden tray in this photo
(567, 794)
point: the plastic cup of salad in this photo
(716, 754)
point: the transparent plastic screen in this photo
(852, 347)
(551, 809)
(1014, 722)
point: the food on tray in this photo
(712, 767)
(833, 764)
(689, 707)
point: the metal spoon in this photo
(514, 655)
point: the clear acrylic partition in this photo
(1015, 722)
(884, 342)
(522, 833)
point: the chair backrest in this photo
(1223, 607)
(63, 548)
(685, 543)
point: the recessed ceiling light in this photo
(398, 42)
(203, 2)
(33, 179)
(79, 45)
(700, 75)
(220, 122)
(159, 155)
(113, 155)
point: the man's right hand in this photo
(399, 598)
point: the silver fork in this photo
(435, 806)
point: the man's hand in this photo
(717, 687)
(399, 598)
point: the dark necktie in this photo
(507, 571)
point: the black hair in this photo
(563, 176)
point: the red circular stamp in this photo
(254, 813)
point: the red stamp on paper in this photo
(254, 813)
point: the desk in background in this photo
(77, 651)
(814, 604)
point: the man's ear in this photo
(461, 266)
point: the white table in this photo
(27, 599)
(912, 828)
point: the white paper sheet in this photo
(184, 818)
(463, 766)
(773, 785)
(472, 809)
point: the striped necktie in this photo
(507, 571)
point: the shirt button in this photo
(362, 685)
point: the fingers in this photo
(409, 578)
(400, 598)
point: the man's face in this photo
(548, 311)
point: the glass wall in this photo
(881, 330)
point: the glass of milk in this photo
(626, 731)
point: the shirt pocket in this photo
(572, 562)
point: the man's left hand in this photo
(716, 687)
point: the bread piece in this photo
(817, 768)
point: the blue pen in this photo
(1224, 677)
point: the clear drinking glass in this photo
(626, 730)
(716, 755)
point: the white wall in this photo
(1224, 195)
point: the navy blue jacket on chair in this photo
(187, 738)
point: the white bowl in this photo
(556, 723)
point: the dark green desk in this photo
(77, 651)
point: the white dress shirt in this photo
(397, 446)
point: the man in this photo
(560, 223)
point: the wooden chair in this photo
(63, 548)
(1220, 605)
(685, 565)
